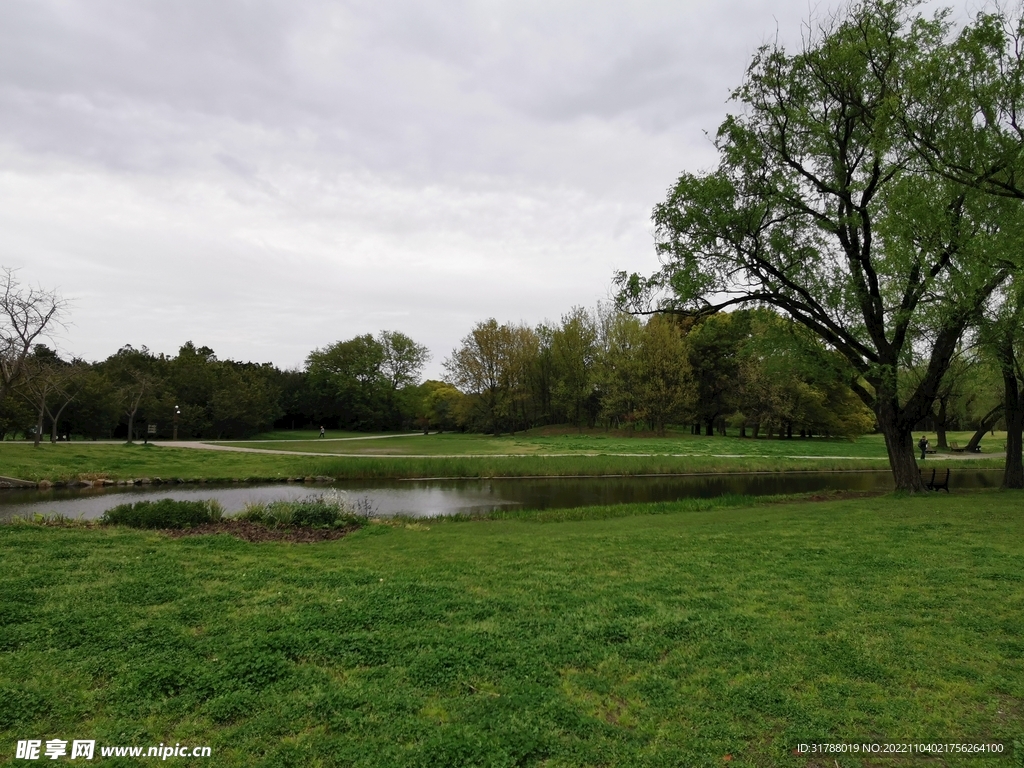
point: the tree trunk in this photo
(131, 422)
(987, 422)
(39, 425)
(743, 429)
(899, 443)
(940, 425)
(757, 428)
(55, 419)
(710, 428)
(1013, 470)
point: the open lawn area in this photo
(461, 455)
(686, 634)
(548, 441)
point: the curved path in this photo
(197, 445)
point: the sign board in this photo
(151, 429)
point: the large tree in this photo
(822, 208)
(966, 123)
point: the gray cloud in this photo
(267, 177)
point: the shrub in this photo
(165, 513)
(330, 510)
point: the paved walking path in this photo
(195, 444)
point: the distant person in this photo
(321, 431)
(923, 445)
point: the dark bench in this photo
(935, 484)
(955, 448)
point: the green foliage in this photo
(165, 513)
(327, 510)
(574, 351)
(824, 206)
(495, 365)
(358, 384)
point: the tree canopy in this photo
(823, 206)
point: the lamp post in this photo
(177, 412)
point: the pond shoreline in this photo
(429, 497)
(13, 483)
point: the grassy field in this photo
(69, 461)
(703, 635)
(455, 455)
(555, 440)
(547, 442)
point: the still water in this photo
(429, 498)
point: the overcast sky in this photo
(270, 177)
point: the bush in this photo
(165, 513)
(329, 510)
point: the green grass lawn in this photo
(69, 461)
(596, 442)
(457, 455)
(670, 639)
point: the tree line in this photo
(751, 369)
(754, 371)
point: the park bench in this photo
(935, 485)
(955, 448)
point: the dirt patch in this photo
(247, 531)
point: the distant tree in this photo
(574, 350)
(437, 406)
(26, 315)
(789, 379)
(402, 359)
(136, 375)
(15, 416)
(45, 378)
(243, 403)
(712, 349)
(95, 411)
(494, 364)
(663, 390)
(349, 384)
(620, 369)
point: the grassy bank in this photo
(457, 456)
(70, 461)
(668, 639)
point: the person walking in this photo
(321, 430)
(923, 445)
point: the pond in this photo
(429, 498)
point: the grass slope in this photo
(652, 640)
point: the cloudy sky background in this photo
(269, 177)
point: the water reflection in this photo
(427, 498)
